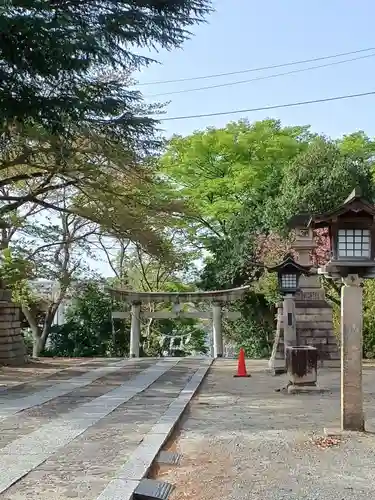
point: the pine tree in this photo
(64, 60)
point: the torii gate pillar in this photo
(135, 330)
(217, 330)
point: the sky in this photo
(243, 34)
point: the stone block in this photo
(316, 341)
(7, 317)
(306, 389)
(331, 348)
(313, 310)
(323, 317)
(5, 295)
(6, 309)
(319, 325)
(11, 348)
(327, 332)
(5, 325)
(12, 340)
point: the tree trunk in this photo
(37, 346)
(40, 336)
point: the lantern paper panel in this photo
(289, 281)
(353, 243)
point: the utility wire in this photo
(265, 77)
(265, 108)
(250, 70)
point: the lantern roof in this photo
(299, 220)
(290, 264)
(354, 203)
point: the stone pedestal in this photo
(352, 418)
(12, 348)
(289, 321)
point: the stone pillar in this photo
(351, 355)
(276, 363)
(217, 330)
(289, 322)
(12, 347)
(135, 329)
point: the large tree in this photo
(322, 177)
(55, 56)
(217, 171)
(69, 115)
(89, 175)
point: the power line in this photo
(265, 108)
(266, 77)
(250, 70)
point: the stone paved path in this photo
(241, 440)
(73, 435)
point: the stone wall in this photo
(314, 328)
(12, 348)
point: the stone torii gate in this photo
(216, 298)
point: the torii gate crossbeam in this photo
(217, 299)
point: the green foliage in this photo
(28, 341)
(218, 170)
(15, 272)
(56, 56)
(254, 330)
(245, 181)
(88, 328)
(192, 331)
(319, 179)
(369, 319)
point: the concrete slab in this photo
(140, 461)
(24, 454)
(14, 405)
(119, 489)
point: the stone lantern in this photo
(352, 237)
(299, 361)
(351, 229)
(288, 274)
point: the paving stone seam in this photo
(137, 466)
(28, 452)
(16, 405)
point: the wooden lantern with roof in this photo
(351, 229)
(288, 274)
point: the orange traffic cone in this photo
(241, 369)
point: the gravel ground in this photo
(241, 440)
